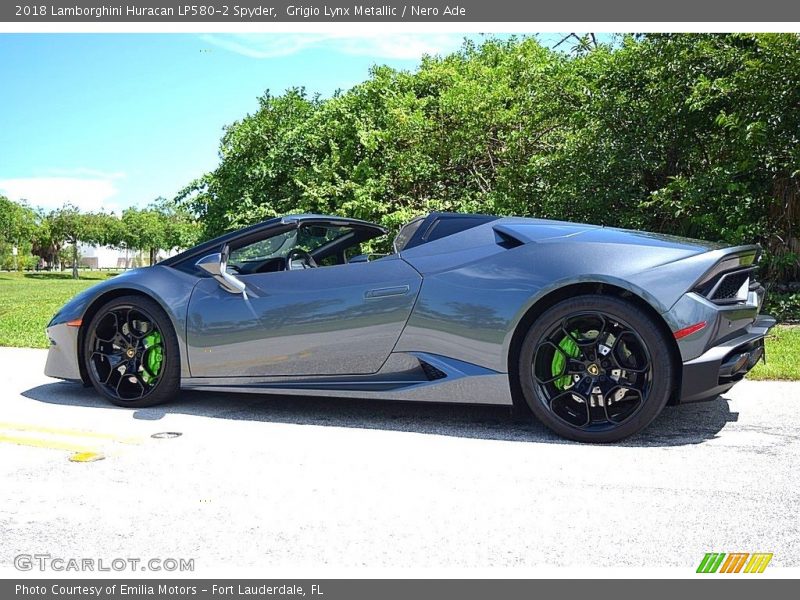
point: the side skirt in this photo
(405, 376)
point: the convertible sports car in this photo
(592, 329)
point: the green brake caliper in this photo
(570, 348)
(153, 356)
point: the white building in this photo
(106, 257)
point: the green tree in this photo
(17, 224)
(690, 134)
(47, 243)
(465, 132)
(70, 225)
(143, 229)
(181, 229)
(163, 225)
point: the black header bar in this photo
(388, 589)
(462, 11)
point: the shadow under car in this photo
(677, 425)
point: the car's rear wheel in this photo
(131, 353)
(595, 368)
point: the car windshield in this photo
(277, 245)
(308, 238)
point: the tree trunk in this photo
(784, 214)
(74, 259)
(153, 253)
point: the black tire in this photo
(126, 383)
(628, 362)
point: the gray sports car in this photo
(592, 329)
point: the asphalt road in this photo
(271, 482)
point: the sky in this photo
(108, 121)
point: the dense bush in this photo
(24, 259)
(785, 307)
(692, 134)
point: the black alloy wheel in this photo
(131, 353)
(595, 368)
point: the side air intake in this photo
(431, 372)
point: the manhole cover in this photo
(166, 435)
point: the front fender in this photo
(170, 288)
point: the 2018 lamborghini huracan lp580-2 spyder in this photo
(592, 329)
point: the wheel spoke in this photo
(127, 331)
(119, 382)
(113, 358)
(583, 386)
(641, 370)
(627, 378)
(596, 401)
(603, 348)
(142, 384)
(574, 367)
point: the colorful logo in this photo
(734, 562)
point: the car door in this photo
(334, 320)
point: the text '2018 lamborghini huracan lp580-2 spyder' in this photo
(592, 329)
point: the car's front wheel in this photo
(131, 353)
(595, 368)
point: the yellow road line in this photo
(69, 432)
(86, 457)
(37, 443)
(79, 453)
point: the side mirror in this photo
(216, 265)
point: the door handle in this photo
(398, 290)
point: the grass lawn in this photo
(29, 300)
(783, 355)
